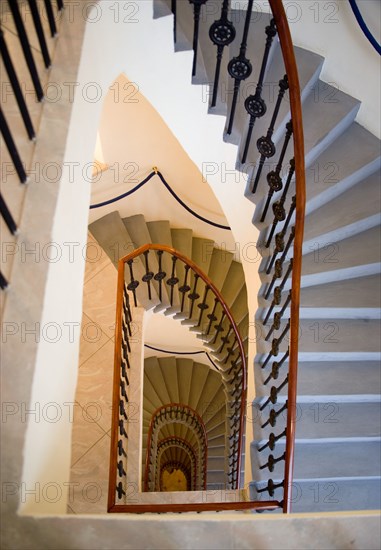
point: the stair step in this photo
(330, 459)
(309, 68)
(330, 418)
(169, 372)
(359, 210)
(327, 378)
(327, 495)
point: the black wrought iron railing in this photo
(13, 9)
(275, 162)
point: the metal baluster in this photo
(272, 440)
(173, 280)
(271, 461)
(121, 470)
(211, 316)
(185, 287)
(219, 328)
(40, 32)
(121, 451)
(160, 275)
(225, 339)
(60, 5)
(122, 430)
(194, 295)
(230, 350)
(275, 367)
(14, 7)
(280, 247)
(278, 316)
(16, 87)
(8, 218)
(122, 412)
(196, 18)
(275, 345)
(203, 306)
(273, 416)
(147, 277)
(50, 14)
(278, 206)
(119, 490)
(174, 11)
(3, 282)
(4, 129)
(271, 486)
(255, 104)
(133, 284)
(240, 67)
(274, 394)
(278, 274)
(273, 178)
(221, 33)
(265, 145)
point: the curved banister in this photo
(141, 250)
(157, 413)
(175, 441)
(298, 137)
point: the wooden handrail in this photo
(150, 431)
(300, 184)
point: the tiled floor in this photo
(92, 411)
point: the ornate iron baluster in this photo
(203, 306)
(271, 461)
(40, 32)
(121, 470)
(160, 275)
(221, 33)
(275, 367)
(60, 5)
(240, 67)
(219, 328)
(272, 440)
(122, 430)
(196, 18)
(278, 316)
(185, 287)
(174, 11)
(273, 416)
(271, 486)
(278, 206)
(230, 350)
(225, 340)
(148, 276)
(255, 104)
(194, 295)
(277, 274)
(280, 247)
(16, 87)
(50, 14)
(121, 451)
(173, 280)
(133, 284)
(8, 218)
(275, 345)
(4, 129)
(265, 145)
(273, 178)
(274, 394)
(119, 490)
(3, 282)
(14, 7)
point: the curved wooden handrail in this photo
(150, 433)
(300, 185)
(139, 251)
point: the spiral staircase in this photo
(337, 453)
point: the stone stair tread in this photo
(326, 495)
(360, 202)
(330, 459)
(325, 419)
(328, 378)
